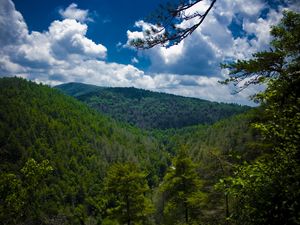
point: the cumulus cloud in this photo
(65, 42)
(68, 37)
(72, 12)
(63, 53)
(18, 28)
(214, 42)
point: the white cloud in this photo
(214, 42)
(72, 12)
(64, 53)
(68, 37)
(261, 29)
(145, 27)
(17, 30)
(249, 8)
(63, 43)
(132, 35)
(195, 86)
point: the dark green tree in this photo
(126, 187)
(181, 190)
(267, 190)
(21, 194)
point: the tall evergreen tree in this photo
(181, 189)
(126, 187)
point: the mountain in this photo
(55, 152)
(39, 123)
(150, 110)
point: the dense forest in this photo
(151, 110)
(39, 123)
(64, 162)
(66, 149)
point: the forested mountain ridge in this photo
(151, 110)
(39, 123)
(68, 147)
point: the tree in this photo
(267, 190)
(126, 188)
(166, 29)
(20, 195)
(181, 189)
(278, 65)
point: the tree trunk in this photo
(186, 213)
(227, 207)
(128, 211)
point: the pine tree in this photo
(181, 189)
(126, 188)
(266, 191)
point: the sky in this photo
(60, 41)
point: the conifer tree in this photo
(181, 188)
(126, 187)
(266, 191)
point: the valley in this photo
(80, 144)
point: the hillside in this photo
(151, 110)
(38, 122)
(217, 149)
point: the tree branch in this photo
(170, 33)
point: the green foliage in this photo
(232, 136)
(215, 149)
(181, 188)
(11, 198)
(267, 190)
(39, 122)
(21, 193)
(146, 109)
(126, 187)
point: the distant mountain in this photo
(78, 89)
(150, 110)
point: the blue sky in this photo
(111, 20)
(55, 42)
